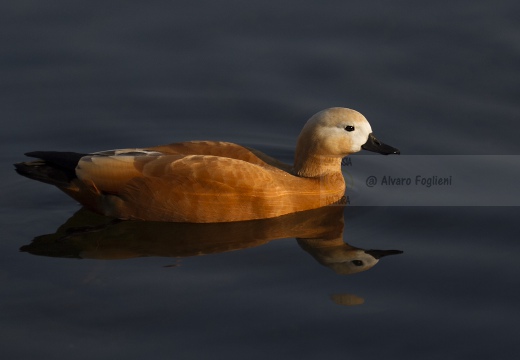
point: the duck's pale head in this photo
(332, 134)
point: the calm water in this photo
(436, 78)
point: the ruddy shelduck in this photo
(211, 181)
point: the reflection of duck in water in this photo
(207, 182)
(319, 232)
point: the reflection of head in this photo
(349, 262)
(341, 257)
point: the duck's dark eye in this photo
(350, 128)
(357, 262)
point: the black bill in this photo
(375, 145)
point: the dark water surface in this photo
(432, 78)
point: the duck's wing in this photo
(109, 171)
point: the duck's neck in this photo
(316, 165)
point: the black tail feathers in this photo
(54, 167)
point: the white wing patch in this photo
(127, 152)
(110, 170)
